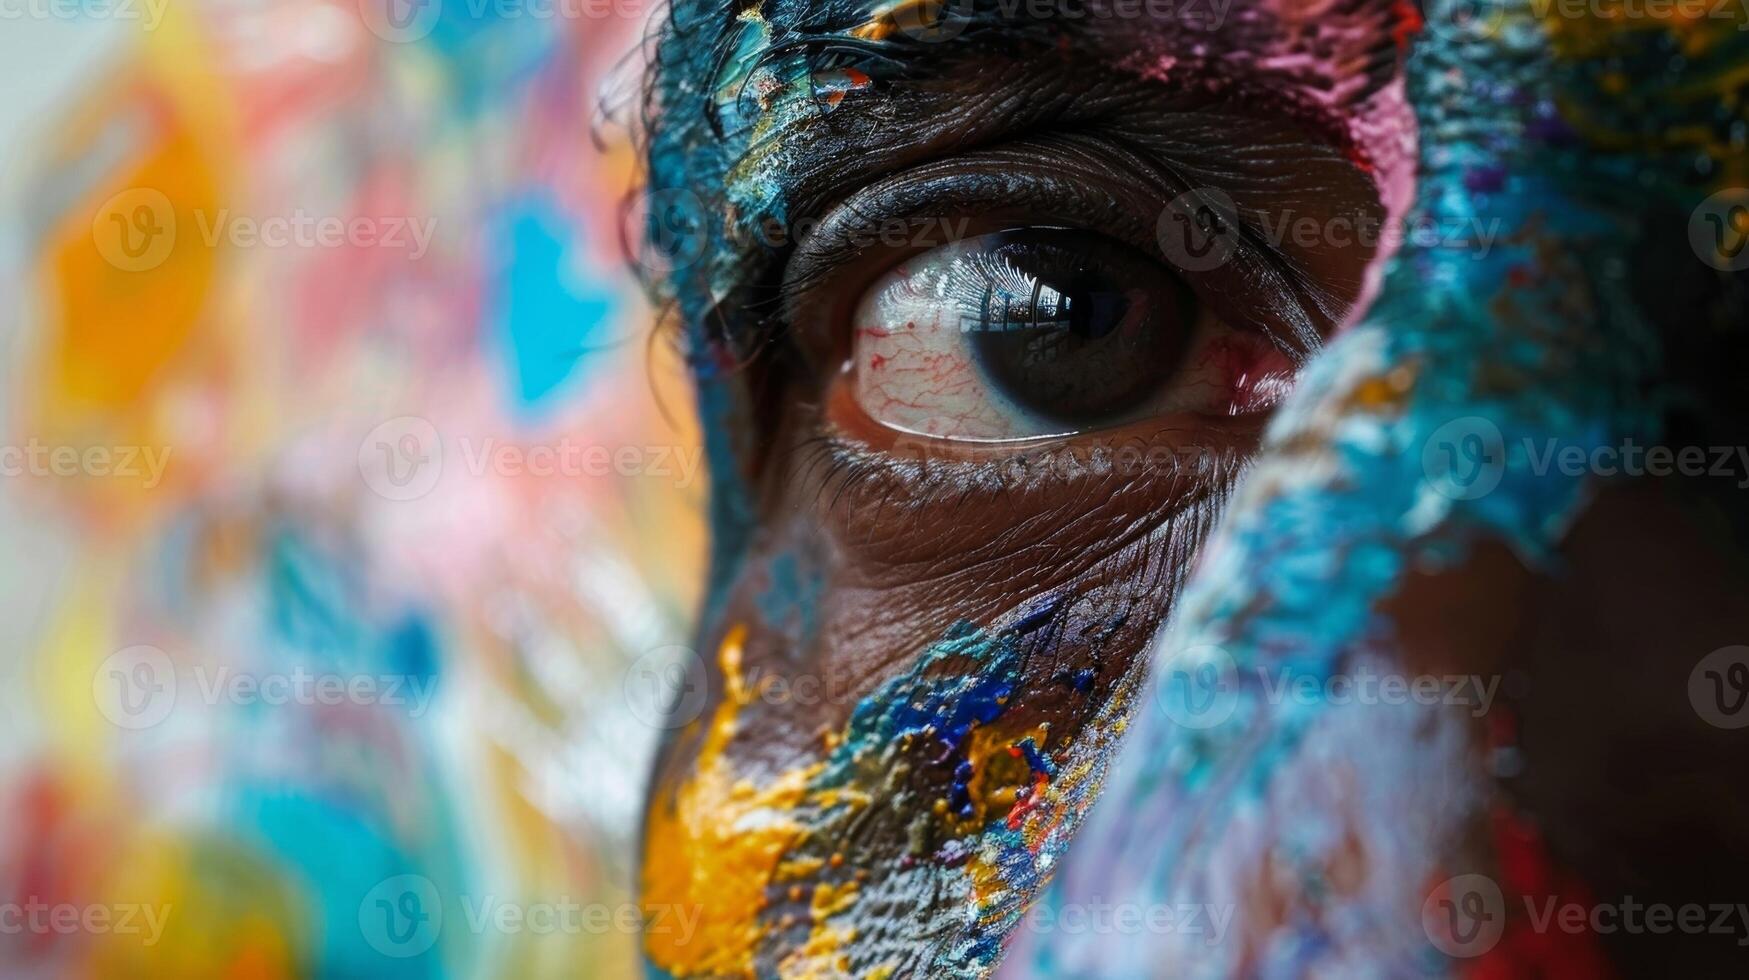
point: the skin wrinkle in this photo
(1085, 564)
(898, 608)
(1064, 523)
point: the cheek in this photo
(909, 742)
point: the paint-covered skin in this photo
(922, 654)
(1422, 836)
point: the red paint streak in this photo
(1408, 23)
(1027, 798)
(1528, 874)
(1357, 156)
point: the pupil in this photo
(1074, 329)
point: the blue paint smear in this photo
(1507, 350)
(941, 707)
(792, 600)
(335, 853)
(547, 321)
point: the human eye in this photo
(980, 415)
(1061, 317)
(1042, 332)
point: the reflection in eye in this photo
(1045, 332)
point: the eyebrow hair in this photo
(712, 138)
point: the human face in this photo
(993, 307)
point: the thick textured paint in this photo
(764, 861)
(1538, 337)
(1324, 825)
(717, 844)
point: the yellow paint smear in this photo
(717, 845)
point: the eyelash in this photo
(848, 481)
(827, 264)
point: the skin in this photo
(918, 657)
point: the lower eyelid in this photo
(899, 499)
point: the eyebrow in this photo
(891, 100)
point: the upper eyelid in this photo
(1285, 303)
(951, 186)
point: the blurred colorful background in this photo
(350, 516)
